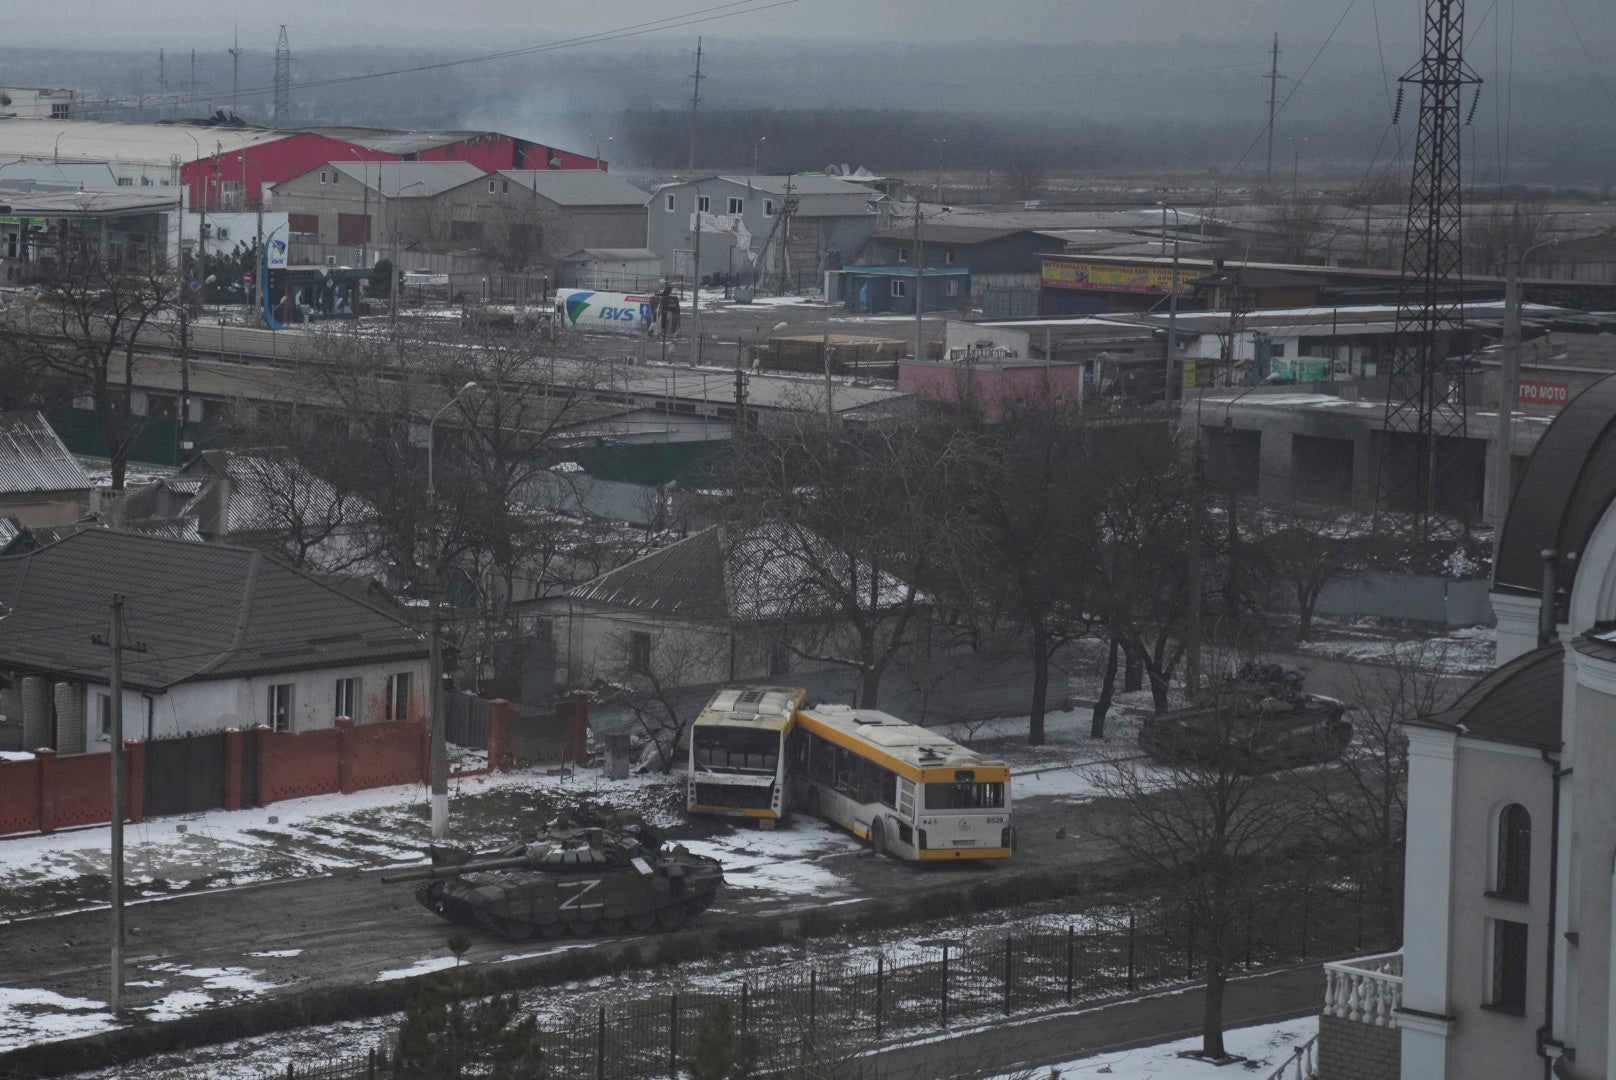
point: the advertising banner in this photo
(1116, 277)
(1537, 392)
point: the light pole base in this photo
(440, 815)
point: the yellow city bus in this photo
(737, 753)
(906, 789)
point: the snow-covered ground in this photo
(1264, 1047)
(1466, 651)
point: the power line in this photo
(672, 22)
(1593, 68)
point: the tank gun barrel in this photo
(443, 871)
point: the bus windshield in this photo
(964, 796)
(737, 749)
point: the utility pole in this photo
(181, 443)
(119, 802)
(695, 292)
(920, 284)
(1273, 78)
(830, 406)
(1509, 387)
(740, 402)
(1172, 311)
(235, 77)
(695, 100)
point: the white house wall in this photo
(215, 704)
(1587, 854)
(1491, 776)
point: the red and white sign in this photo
(1536, 392)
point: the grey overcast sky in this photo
(185, 24)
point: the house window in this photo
(1514, 870)
(353, 229)
(899, 287)
(1508, 992)
(61, 112)
(779, 660)
(768, 207)
(736, 206)
(490, 187)
(951, 287)
(303, 225)
(948, 256)
(667, 203)
(126, 181)
(347, 698)
(903, 254)
(504, 187)
(1277, 350)
(324, 176)
(398, 696)
(336, 175)
(280, 706)
(639, 650)
(704, 203)
(103, 712)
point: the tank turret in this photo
(577, 880)
(1258, 717)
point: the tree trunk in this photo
(1306, 599)
(870, 691)
(1108, 685)
(1212, 1007)
(1040, 688)
(1133, 675)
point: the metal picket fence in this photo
(801, 1014)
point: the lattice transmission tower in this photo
(1422, 447)
(283, 79)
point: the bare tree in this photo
(1361, 801)
(1024, 175)
(98, 308)
(1308, 548)
(1519, 224)
(1201, 821)
(648, 679)
(522, 238)
(833, 531)
(1299, 223)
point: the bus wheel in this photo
(878, 836)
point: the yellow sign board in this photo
(1116, 277)
(1189, 374)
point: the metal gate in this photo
(466, 720)
(185, 775)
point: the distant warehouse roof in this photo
(578, 187)
(148, 144)
(408, 179)
(33, 459)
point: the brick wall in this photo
(36, 713)
(1354, 1051)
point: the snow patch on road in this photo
(278, 952)
(177, 1004)
(425, 966)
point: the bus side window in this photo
(889, 788)
(822, 767)
(846, 770)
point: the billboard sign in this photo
(1538, 392)
(1115, 277)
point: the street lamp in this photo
(1296, 160)
(939, 143)
(592, 135)
(392, 216)
(1509, 388)
(757, 144)
(440, 764)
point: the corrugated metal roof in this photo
(406, 179)
(147, 144)
(578, 187)
(1518, 703)
(32, 458)
(613, 255)
(201, 610)
(389, 141)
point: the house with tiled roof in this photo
(1509, 925)
(40, 482)
(221, 637)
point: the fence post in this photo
(945, 984)
(813, 998)
(1130, 953)
(345, 751)
(673, 1036)
(1358, 907)
(370, 1064)
(880, 973)
(46, 757)
(134, 792)
(1189, 949)
(235, 741)
(1071, 942)
(746, 1001)
(1248, 938)
(1304, 923)
(600, 1044)
(1007, 945)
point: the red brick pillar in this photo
(346, 748)
(499, 735)
(235, 753)
(134, 788)
(266, 790)
(47, 788)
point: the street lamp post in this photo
(1172, 308)
(939, 144)
(1509, 388)
(440, 764)
(757, 144)
(392, 217)
(1296, 161)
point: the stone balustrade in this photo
(1367, 990)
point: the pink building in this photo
(993, 385)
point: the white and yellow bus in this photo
(737, 753)
(906, 789)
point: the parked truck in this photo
(604, 312)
